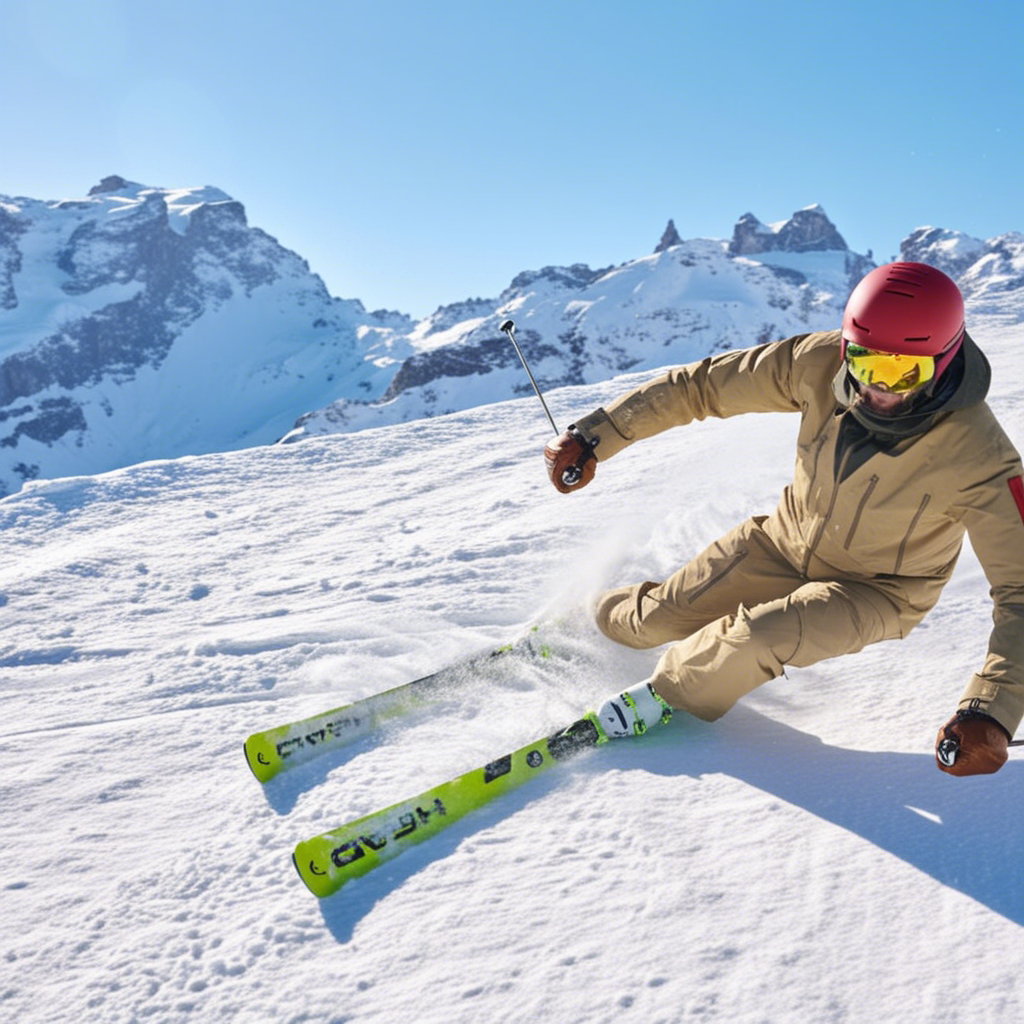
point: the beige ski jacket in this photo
(887, 501)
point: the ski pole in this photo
(571, 474)
(509, 328)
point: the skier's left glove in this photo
(971, 743)
(570, 460)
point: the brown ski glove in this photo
(570, 460)
(971, 743)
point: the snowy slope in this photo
(801, 860)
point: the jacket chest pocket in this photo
(891, 528)
(910, 530)
(861, 505)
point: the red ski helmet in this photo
(909, 309)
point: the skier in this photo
(897, 456)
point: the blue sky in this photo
(421, 153)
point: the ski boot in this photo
(631, 713)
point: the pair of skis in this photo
(327, 861)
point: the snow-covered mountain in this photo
(141, 323)
(688, 299)
(578, 325)
(990, 273)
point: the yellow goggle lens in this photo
(892, 371)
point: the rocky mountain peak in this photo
(808, 230)
(669, 238)
(111, 183)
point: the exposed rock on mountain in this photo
(808, 230)
(669, 238)
(577, 326)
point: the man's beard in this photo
(883, 403)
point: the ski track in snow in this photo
(800, 860)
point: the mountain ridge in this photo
(140, 322)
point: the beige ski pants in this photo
(737, 614)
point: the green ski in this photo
(326, 862)
(272, 751)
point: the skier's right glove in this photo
(971, 743)
(570, 460)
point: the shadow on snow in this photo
(966, 839)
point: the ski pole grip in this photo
(947, 751)
(572, 475)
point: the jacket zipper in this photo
(828, 514)
(816, 457)
(910, 530)
(872, 484)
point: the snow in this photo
(183, 202)
(952, 244)
(800, 860)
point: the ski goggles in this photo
(896, 372)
